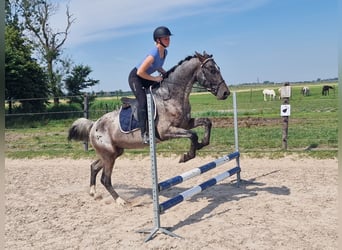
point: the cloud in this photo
(105, 19)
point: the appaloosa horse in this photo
(173, 118)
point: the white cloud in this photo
(104, 19)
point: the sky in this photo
(251, 40)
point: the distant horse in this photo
(173, 118)
(305, 91)
(270, 93)
(325, 89)
(279, 93)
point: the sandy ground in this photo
(286, 203)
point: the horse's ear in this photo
(199, 56)
(206, 55)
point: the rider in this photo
(141, 77)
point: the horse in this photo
(305, 91)
(279, 93)
(270, 93)
(173, 119)
(325, 89)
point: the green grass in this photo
(312, 128)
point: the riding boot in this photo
(142, 116)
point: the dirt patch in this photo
(219, 122)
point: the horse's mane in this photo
(166, 75)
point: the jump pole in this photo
(187, 194)
(196, 171)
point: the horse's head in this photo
(209, 77)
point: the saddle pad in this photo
(127, 121)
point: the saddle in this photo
(130, 103)
(129, 114)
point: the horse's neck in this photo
(179, 83)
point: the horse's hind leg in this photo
(108, 164)
(95, 167)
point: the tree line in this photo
(36, 68)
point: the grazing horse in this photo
(325, 89)
(173, 118)
(269, 92)
(305, 91)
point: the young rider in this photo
(141, 77)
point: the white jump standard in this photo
(162, 186)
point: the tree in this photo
(37, 15)
(78, 80)
(24, 78)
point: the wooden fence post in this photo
(285, 112)
(10, 100)
(285, 126)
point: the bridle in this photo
(211, 88)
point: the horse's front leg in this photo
(175, 132)
(206, 123)
(194, 145)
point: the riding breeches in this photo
(138, 86)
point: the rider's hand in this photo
(158, 78)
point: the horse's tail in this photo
(79, 130)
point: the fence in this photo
(312, 124)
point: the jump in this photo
(173, 119)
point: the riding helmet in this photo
(160, 32)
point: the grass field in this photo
(312, 125)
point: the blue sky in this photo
(251, 40)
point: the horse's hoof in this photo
(185, 158)
(92, 191)
(181, 159)
(121, 201)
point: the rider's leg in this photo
(136, 84)
(142, 116)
